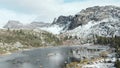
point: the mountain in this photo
(13, 24)
(96, 13)
(17, 25)
(97, 20)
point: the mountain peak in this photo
(62, 20)
(13, 24)
(96, 13)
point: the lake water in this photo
(53, 57)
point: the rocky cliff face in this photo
(62, 20)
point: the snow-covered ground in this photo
(101, 64)
(106, 27)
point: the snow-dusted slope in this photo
(56, 28)
(107, 27)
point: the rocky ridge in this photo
(12, 24)
(96, 13)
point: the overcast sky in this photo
(27, 11)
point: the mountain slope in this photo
(99, 20)
(107, 28)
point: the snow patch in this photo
(55, 29)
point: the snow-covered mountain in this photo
(96, 13)
(97, 20)
(87, 20)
